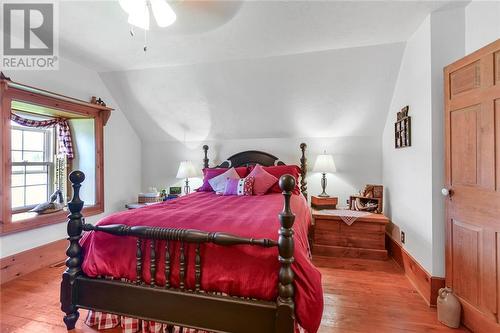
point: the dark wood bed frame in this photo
(180, 306)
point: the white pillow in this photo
(218, 183)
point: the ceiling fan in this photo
(138, 12)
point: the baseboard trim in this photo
(426, 285)
(25, 262)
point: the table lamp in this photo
(186, 170)
(324, 164)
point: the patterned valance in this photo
(63, 133)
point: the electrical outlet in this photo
(403, 238)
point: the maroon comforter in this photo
(238, 270)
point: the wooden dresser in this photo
(365, 238)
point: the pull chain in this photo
(146, 12)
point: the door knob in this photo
(446, 192)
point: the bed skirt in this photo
(102, 321)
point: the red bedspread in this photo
(238, 270)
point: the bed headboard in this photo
(252, 157)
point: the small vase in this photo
(448, 308)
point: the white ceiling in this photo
(256, 69)
(319, 94)
(97, 34)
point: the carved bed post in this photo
(303, 170)
(285, 321)
(74, 252)
(205, 159)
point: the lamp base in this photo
(187, 188)
(323, 187)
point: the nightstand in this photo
(136, 205)
(324, 202)
(364, 238)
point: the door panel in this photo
(465, 249)
(464, 146)
(486, 146)
(472, 136)
(466, 78)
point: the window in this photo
(36, 161)
(32, 166)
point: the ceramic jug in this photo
(448, 308)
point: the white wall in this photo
(122, 150)
(414, 176)
(482, 24)
(447, 46)
(407, 172)
(358, 160)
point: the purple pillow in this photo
(218, 183)
(209, 173)
(263, 180)
(242, 186)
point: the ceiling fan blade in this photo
(163, 13)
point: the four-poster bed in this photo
(176, 305)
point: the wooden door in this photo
(472, 129)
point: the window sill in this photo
(30, 221)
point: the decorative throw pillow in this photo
(263, 180)
(218, 183)
(243, 186)
(209, 173)
(280, 170)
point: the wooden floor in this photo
(360, 296)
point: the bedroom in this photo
(258, 77)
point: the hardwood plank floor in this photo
(360, 296)
(373, 296)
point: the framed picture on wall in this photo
(402, 129)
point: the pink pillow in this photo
(209, 173)
(263, 180)
(280, 170)
(243, 186)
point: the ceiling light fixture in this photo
(138, 12)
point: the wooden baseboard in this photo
(426, 285)
(28, 261)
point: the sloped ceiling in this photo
(320, 94)
(254, 69)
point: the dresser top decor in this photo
(346, 215)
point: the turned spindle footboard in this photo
(182, 305)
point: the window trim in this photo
(10, 91)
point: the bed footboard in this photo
(178, 306)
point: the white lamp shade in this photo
(324, 164)
(186, 170)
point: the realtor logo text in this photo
(30, 40)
